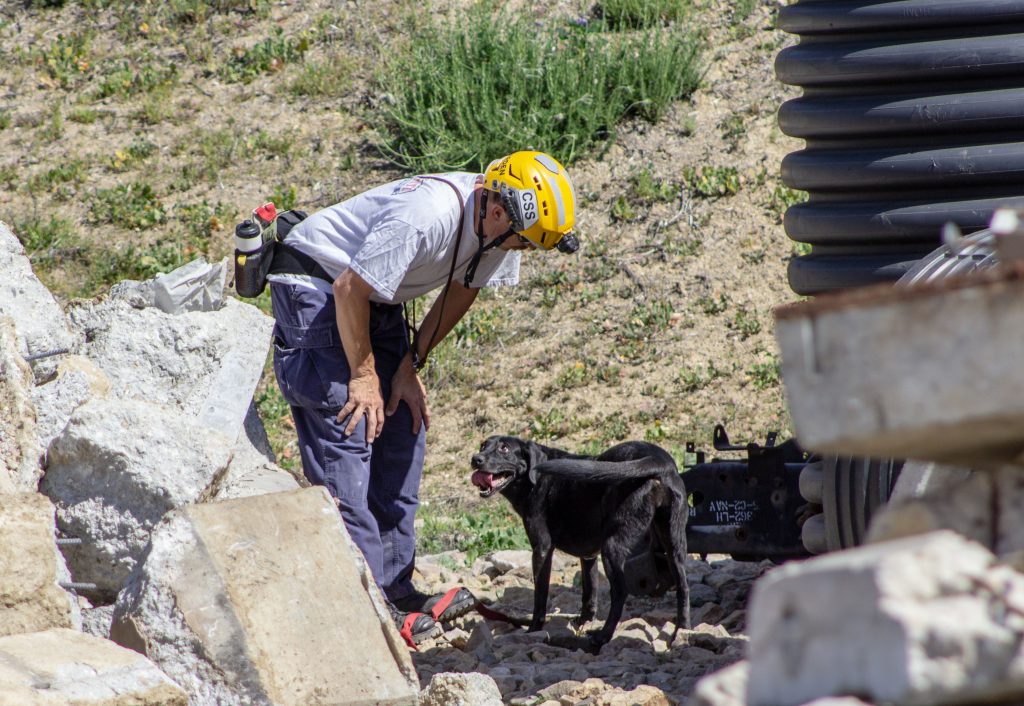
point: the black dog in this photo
(585, 505)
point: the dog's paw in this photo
(582, 619)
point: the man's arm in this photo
(406, 384)
(352, 307)
(444, 314)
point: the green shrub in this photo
(641, 14)
(70, 172)
(193, 12)
(124, 81)
(83, 116)
(698, 377)
(41, 238)
(127, 158)
(765, 375)
(465, 93)
(269, 55)
(329, 78)
(66, 59)
(782, 197)
(284, 197)
(712, 182)
(478, 532)
(133, 206)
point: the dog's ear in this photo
(534, 457)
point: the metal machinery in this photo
(912, 113)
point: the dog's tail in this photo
(593, 471)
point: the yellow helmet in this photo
(538, 196)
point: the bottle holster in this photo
(274, 256)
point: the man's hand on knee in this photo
(407, 387)
(364, 399)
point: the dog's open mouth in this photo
(491, 483)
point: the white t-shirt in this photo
(400, 238)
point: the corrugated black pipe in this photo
(913, 115)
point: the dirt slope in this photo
(659, 328)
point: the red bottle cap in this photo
(267, 212)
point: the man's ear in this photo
(534, 457)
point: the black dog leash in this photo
(490, 614)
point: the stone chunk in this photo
(31, 568)
(114, 471)
(726, 687)
(77, 380)
(20, 451)
(204, 363)
(928, 620)
(63, 667)
(455, 689)
(261, 600)
(40, 322)
(929, 372)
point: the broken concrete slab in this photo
(928, 620)
(115, 470)
(31, 568)
(204, 363)
(983, 506)
(248, 474)
(20, 451)
(262, 600)
(40, 322)
(927, 372)
(76, 381)
(60, 667)
(726, 687)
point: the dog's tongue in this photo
(484, 481)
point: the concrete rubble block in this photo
(76, 381)
(726, 687)
(260, 600)
(41, 324)
(31, 568)
(250, 473)
(62, 667)
(252, 470)
(928, 372)
(20, 451)
(963, 506)
(204, 363)
(115, 470)
(456, 689)
(928, 620)
(983, 506)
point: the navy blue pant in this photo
(377, 485)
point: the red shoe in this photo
(414, 627)
(443, 607)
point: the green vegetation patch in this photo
(477, 532)
(123, 81)
(641, 14)
(269, 55)
(464, 93)
(712, 182)
(66, 59)
(134, 206)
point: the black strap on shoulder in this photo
(410, 322)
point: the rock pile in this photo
(641, 665)
(192, 570)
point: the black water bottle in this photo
(250, 273)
